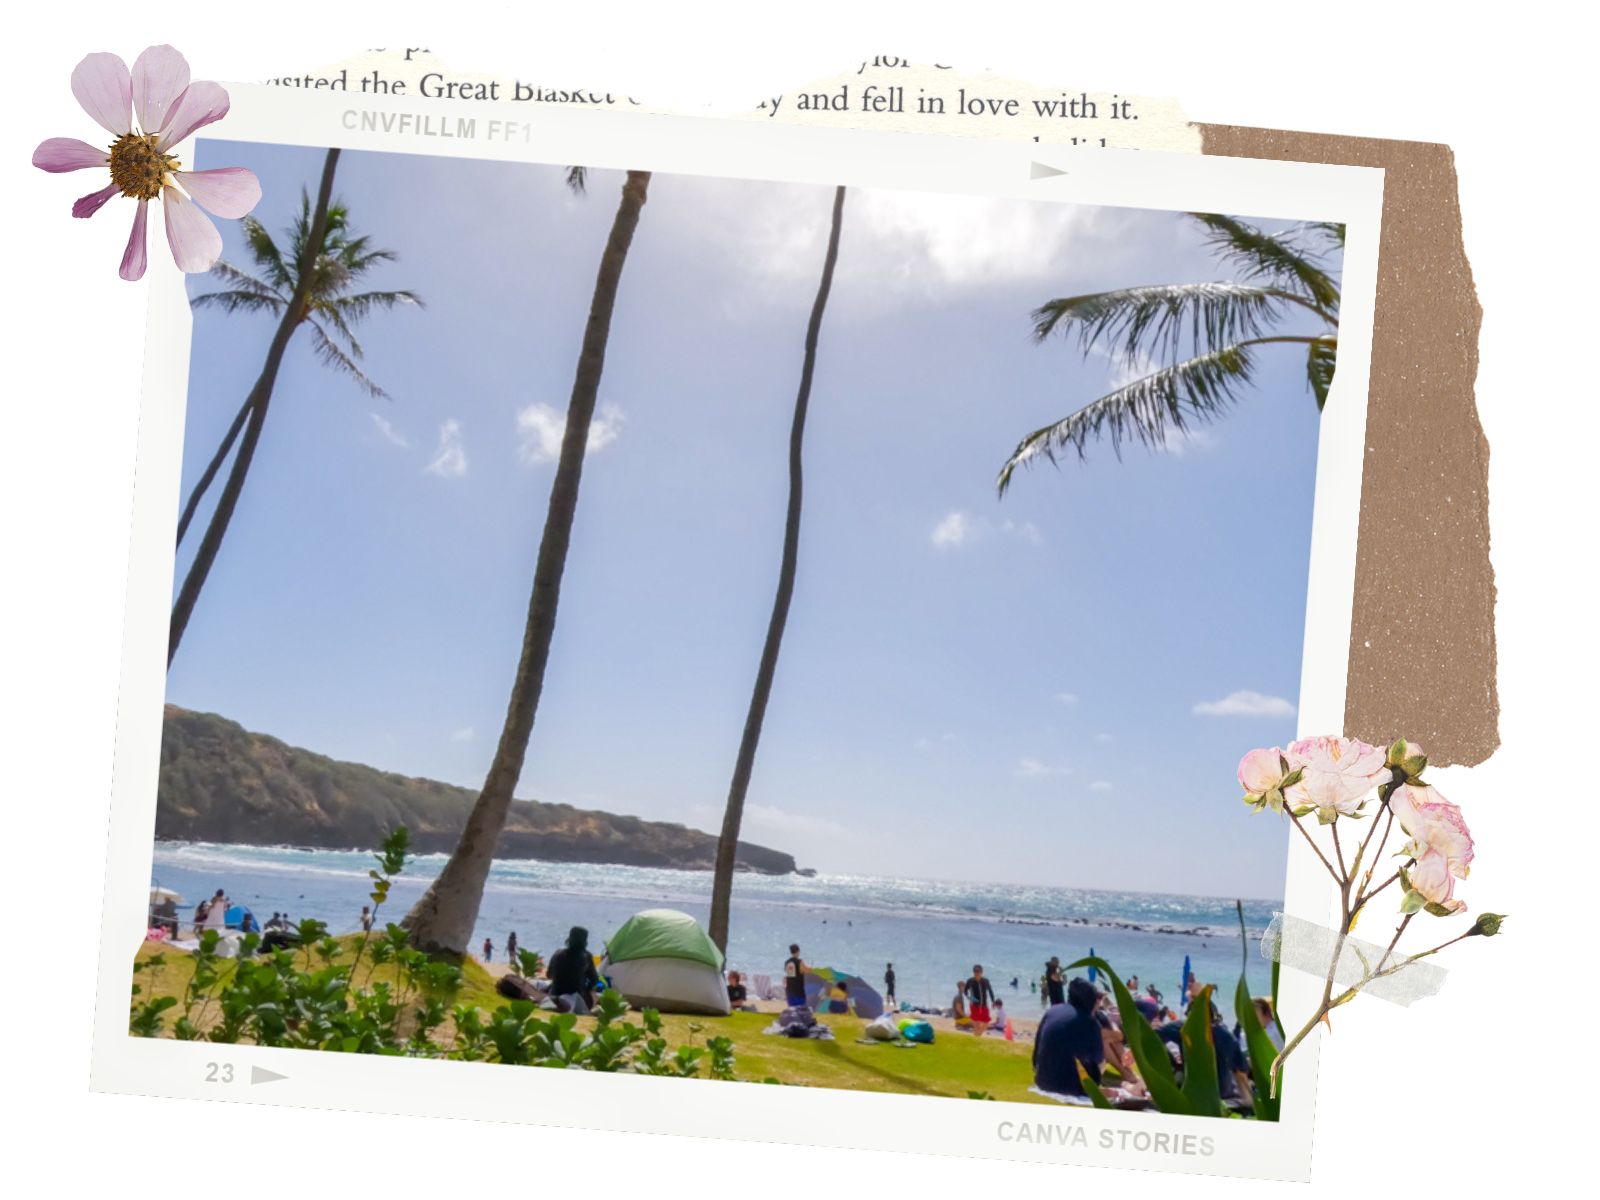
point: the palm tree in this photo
(443, 918)
(733, 816)
(308, 286)
(1201, 338)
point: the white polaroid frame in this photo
(776, 152)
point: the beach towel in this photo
(798, 1023)
(1062, 1097)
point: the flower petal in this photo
(160, 76)
(195, 243)
(88, 205)
(133, 258)
(226, 192)
(102, 85)
(202, 102)
(68, 154)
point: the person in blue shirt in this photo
(1068, 1035)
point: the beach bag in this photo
(882, 1029)
(917, 1031)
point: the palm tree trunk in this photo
(212, 468)
(256, 403)
(733, 817)
(442, 920)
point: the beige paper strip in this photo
(1422, 642)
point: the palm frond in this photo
(342, 328)
(238, 301)
(360, 306)
(578, 179)
(267, 255)
(1321, 360)
(1199, 389)
(1155, 322)
(331, 355)
(1331, 231)
(1261, 255)
(245, 282)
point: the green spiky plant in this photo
(1196, 344)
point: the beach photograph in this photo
(738, 631)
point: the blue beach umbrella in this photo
(1188, 974)
(1092, 972)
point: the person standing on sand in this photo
(794, 978)
(1055, 987)
(488, 950)
(511, 948)
(888, 984)
(980, 1000)
(366, 919)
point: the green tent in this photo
(663, 933)
(662, 959)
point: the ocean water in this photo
(933, 931)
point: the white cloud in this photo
(1067, 697)
(1245, 704)
(388, 432)
(958, 528)
(1032, 768)
(915, 245)
(954, 529)
(450, 457)
(1103, 738)
(1101, 785)
(540, 428)
(465, 734)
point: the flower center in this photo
(137, 167)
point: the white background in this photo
(1489, 1084)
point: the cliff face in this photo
(222, 783)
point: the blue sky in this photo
(1035, 689)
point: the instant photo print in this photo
(740, 630)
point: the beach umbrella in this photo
(1188, 974)
(865, 999)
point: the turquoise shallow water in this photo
(932, 930)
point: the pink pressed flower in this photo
(168, 109)
(1261, 770)
(1336, 775)
(1432, 879)
(1436, 828)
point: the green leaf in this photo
(1200, 1085)
(1149, 1051)
(1261, 1052)
(1091, 1089)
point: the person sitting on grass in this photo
(1069, 1037)
(572, 976)
(738, 994)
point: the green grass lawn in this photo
(954, 1065)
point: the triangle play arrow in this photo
(1039, 170)
(262, 1075)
